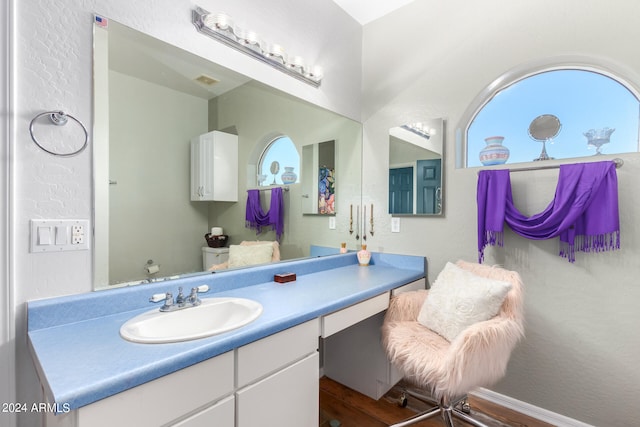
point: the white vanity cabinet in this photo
(214, 167)
(272, 381)
(278, 379)
(353, 355)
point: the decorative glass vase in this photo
(364, 256)
(598, 137)
(288, 176)
(343, 248)
(494, 153)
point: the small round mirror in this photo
(275, 167)
(543, 129)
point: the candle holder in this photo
(350, 219)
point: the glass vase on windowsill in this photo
(598, 137)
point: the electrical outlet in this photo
(395, 225)
(77, 234)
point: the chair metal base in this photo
(445, 408)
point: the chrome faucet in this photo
(180, 302)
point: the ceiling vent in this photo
(206, 80)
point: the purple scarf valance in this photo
(256, 218)
(583, 213)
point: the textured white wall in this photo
(431, 59)
(53, 71)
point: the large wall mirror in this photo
(150, 99)
(416, 157)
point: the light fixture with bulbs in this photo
(420, 129)
(220, 26)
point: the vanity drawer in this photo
(157, 402)
(263, 357)
(335, 322)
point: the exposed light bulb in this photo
(297, 64)
(250, 39)
(316, 73)
(277, 53)
(221, 27)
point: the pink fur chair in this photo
(476, 357)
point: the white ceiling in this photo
(365, 11)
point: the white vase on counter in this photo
(364, 256)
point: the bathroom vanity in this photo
(264, 373)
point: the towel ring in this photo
(59, 118)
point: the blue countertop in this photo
(81, 358)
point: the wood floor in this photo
(352, 409)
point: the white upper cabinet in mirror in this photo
(150, 100)
(416, 154)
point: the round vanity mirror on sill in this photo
(543, 129)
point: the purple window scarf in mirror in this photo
(256, 218)
(583, 213)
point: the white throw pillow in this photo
(240, 255)
(458, 299)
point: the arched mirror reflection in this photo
(416, 154)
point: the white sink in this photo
(213, 316)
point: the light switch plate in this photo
(395, 225)
(332, 223)
(57, 235)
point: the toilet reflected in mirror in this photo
(416, 153)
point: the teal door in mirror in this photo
(416, 154)
(429, 184)
(401, 190)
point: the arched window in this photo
(580, 112)
(279, 163)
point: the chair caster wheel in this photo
(465, 407)
(403, 401)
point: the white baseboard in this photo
(528, 409)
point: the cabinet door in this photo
(288, 398)
(201, 150)
(214, 167)
(224, 170)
